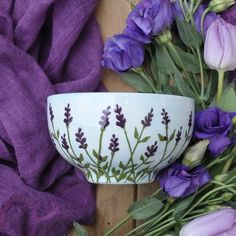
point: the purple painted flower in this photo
(218, 223)
(190, 121)
(214, 124)
(68, 118)
(151, 150)
(64, 142)
(122, 53)
(114, 144)
(179, 182)
(178, 135)
(104, 122)
(210, 17)
(165, 118)
(81, 139)
(149, 18)
(120, 117)
(51, 112)
(148, 119)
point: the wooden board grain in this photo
(114, 200)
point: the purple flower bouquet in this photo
(186, 48)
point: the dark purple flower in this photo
(178, 135)
(232, 76)
(120, 117)
(149, 18)
(64, 142)
(151, 150)
(148, 119)
(114, 145)
(179, 182)
(210, 17)
(214, 124)
(51, 112)
(230, 15)
(165, 118)
(104, 122)
(68, 118)
(122, 53)
(81, 139)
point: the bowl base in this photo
(103, 180)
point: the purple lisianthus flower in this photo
(122, 53)
(179, 182)
(149, 18)
(214, 124)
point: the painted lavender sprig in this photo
(114, 144)
(51, 113)
(64, 142)
(104, 122)
(151, 150)
(120, 117)
(165, 117)
(81, 139)
(68, 118)
(148, 119)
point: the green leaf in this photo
(136, 134)
(142, 158)
(58, 133)
(182, 206)
(208, 91)
(228, 100)
(188, 61)
(164, 64)
(80, 230)
(189, 34)
(122, 176)
(81, 158)
(144, 140)
(172, 136)
(136, 81)
(104, 158)
(144, 209)
(95, 154)
(54, 136)
(184, 88)
(105, 166)
(121, 165)
(162, 138)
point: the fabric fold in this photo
(46, 47)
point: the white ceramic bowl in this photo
(120, 137)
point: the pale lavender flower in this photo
(104, 122)
(220, 46)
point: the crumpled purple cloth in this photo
(46, 47)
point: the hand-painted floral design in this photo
(98, 163)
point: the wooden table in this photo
(112, 200)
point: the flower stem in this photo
(202, 20)
(126, 219)
(227, 165)
(220, 85)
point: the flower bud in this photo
(214, 208)
(227, 196)
(234, 120)
(165, 37)
(194, 154)
(220, 178)
(220, 5)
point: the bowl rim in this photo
(121, 94)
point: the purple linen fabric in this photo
(46, 47)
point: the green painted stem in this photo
(220, 85)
